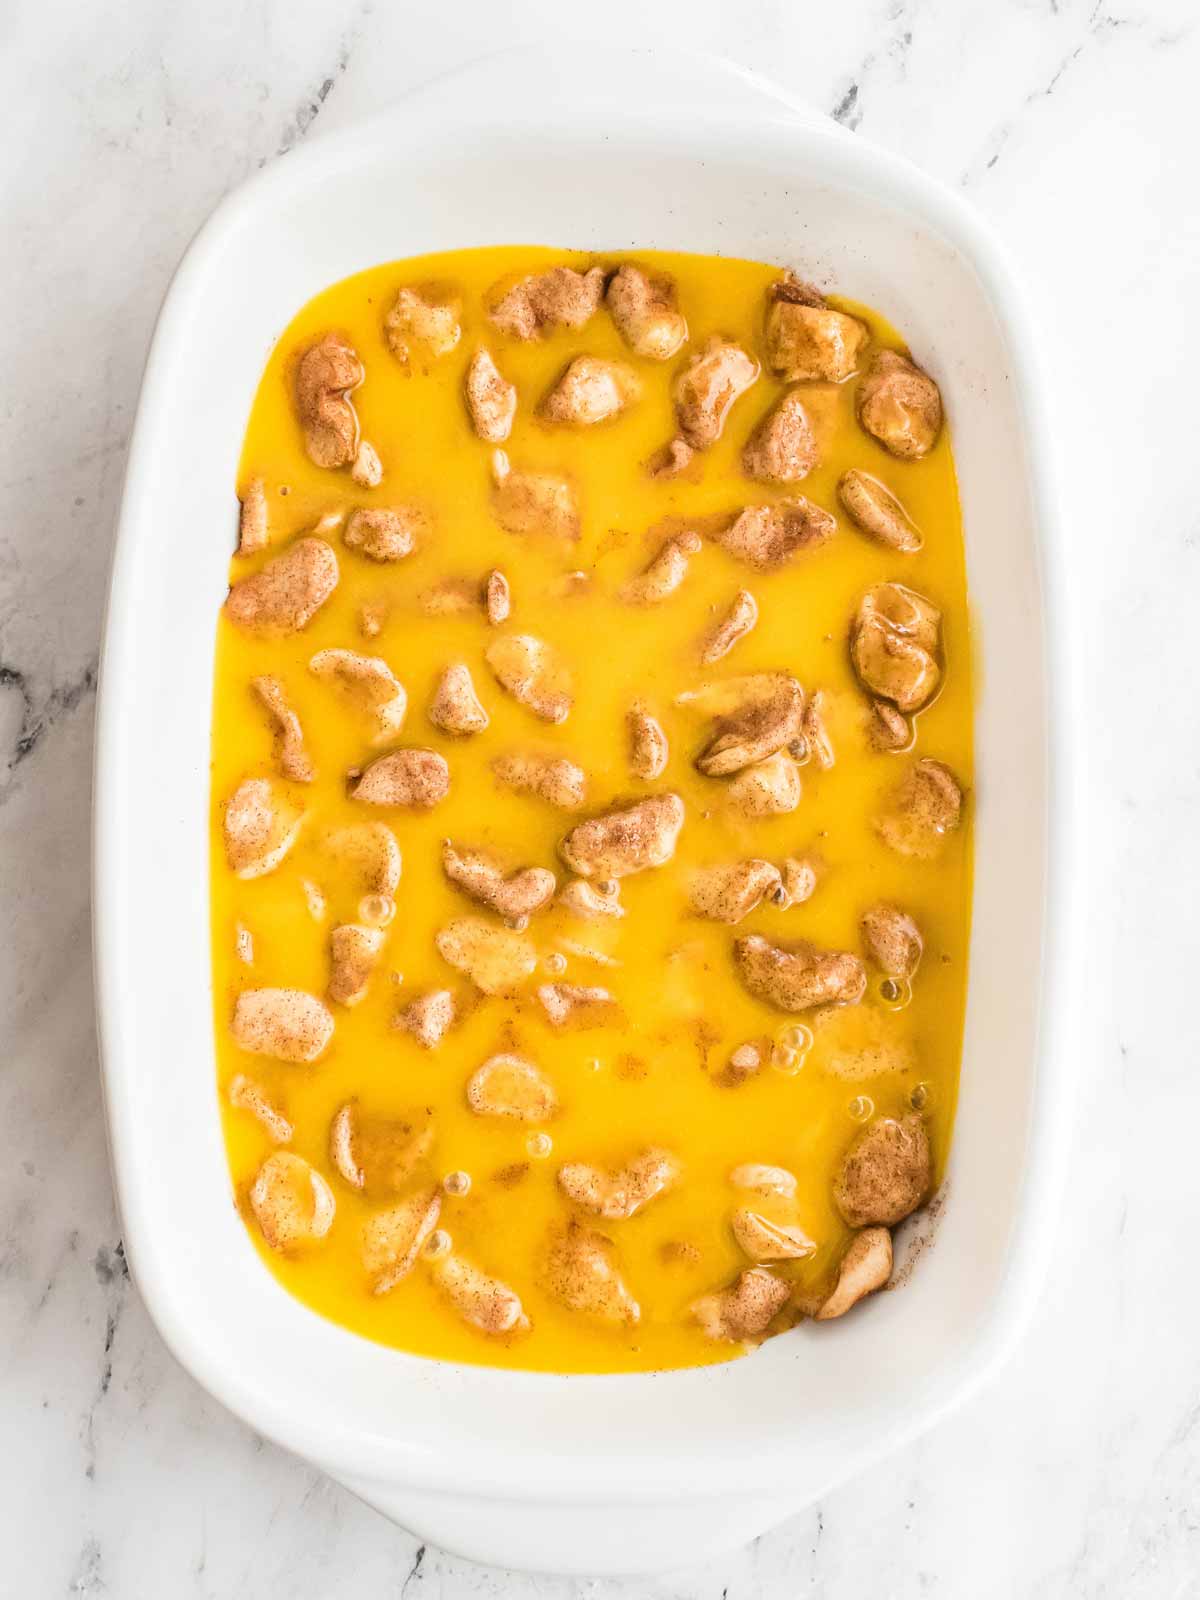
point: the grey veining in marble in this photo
(1073, 124)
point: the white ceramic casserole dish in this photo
(584, 1474)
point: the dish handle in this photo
(619, 1539)
(525, 83)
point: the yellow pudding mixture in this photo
(683, 1061)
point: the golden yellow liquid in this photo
(654, 1080)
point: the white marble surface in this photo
(1073, 125)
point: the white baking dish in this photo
(584, 1474)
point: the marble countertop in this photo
(1073, 125)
